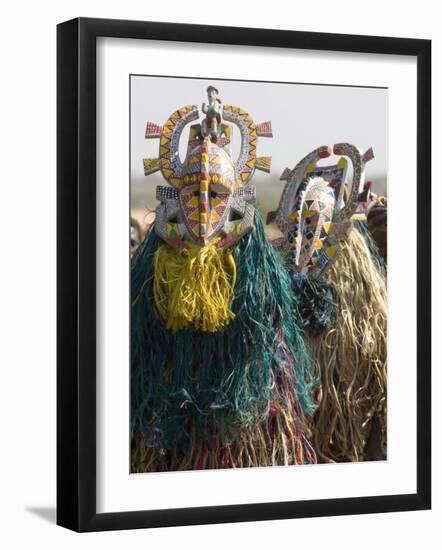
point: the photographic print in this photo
(258, 266)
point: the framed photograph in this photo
(240, 337)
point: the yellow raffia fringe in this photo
(193, 288)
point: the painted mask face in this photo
(311, 221)
(312, 214)
(207, 190)
(209, 197)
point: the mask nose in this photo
(204, 191)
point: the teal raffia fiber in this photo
(316, 303)
(219, 382)
(362, 227)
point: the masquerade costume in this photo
(339, 281)
(219, 373)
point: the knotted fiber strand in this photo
(350, 422)
(193, 288)
(192, 386)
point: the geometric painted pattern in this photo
(264, 129)
(296, 178)
(334, 175)
(171, 166)
(151, 166)
(263, 164)
(207, 189)
(166, 193)
(153, 130)
(248, 192)
(208, 193)
(245, 164)
(312, 214)
(313, 223)
(354, 154)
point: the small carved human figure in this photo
(211, 125)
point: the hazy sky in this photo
(304, 116)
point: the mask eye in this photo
(213, 194)
(196, 193)
(234, 216)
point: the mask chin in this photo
(193, 288)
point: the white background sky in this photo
(303, 117)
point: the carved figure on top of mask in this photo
(211, 125)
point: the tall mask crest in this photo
(208, 196)
(314, 213)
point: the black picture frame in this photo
(76, 274)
